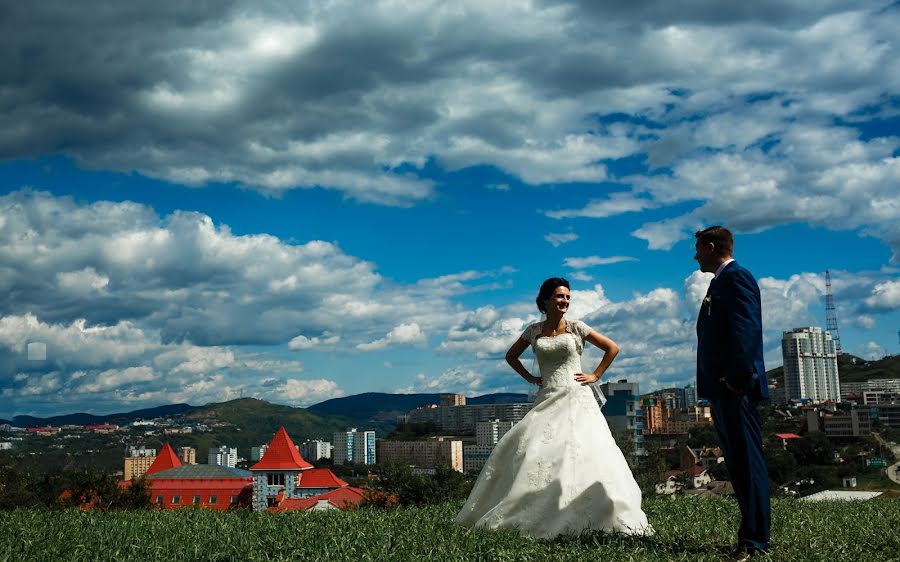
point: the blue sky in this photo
(308, 201)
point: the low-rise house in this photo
(785, 438)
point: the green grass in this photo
(689, 529)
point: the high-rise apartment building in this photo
(223, 456)
(450, 399)
(256, 453)
(487, 434)
(137, 461)
(462, 418)
(690, 397)
(188, 455)
(623, 410)
(357, 447)
(423, 454)
(810, 365)
(315, 449)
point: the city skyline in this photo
(199, 204)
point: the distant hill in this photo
(855, 369)
(249, 422)
(90, 419)
(385, 407)
(242, 423)
(4, 421)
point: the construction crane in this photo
(831, 323)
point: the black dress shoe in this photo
(742, 555)
(739, 555)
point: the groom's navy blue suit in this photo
(730, 349)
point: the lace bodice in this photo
(559, 357)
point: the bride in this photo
(558, 471)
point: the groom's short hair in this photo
(720, 237)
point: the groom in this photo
(731, 375)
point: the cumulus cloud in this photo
(865, 321)
(326, 341)
(656, 330)
(885, 296)
(246, 92)
(404, 334)
(305, 392)
(457, 379)
(870, 350)
(117, 366)
(197, 282)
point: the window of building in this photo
(234, 500)
(196, 500)
(213, 499)
(276, 479)
(159, 500)
(176, 500)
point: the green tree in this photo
(16, 488)
(134, 497)
(812, 448)
(703, 436)
(419, 489)
(782, 466)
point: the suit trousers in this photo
(739, 427)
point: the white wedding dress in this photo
(558, 471)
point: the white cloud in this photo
(617, 204)
(458, 379)
(300, 392)
(196, 282)
(885, 296)
(524, 96)
(115, 378)
(870, 350)
(581, 276)
(556, 239)
(590, 261)
(865, 321)
(326, 341)
(404, 334)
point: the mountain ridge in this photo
(386, 408)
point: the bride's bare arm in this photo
(610, 350)
(512, 357)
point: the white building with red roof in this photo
(283, 480)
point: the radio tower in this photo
(830, 316)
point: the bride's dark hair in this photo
(547, 288)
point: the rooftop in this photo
(281, 454)
(200, 472)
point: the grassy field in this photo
(689, 529)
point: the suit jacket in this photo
(729, 337)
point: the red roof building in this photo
(165, 460)
(200, 485)
(282, 481)
(321, 478)
(341, 498)
(281, 454)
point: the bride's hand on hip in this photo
(586, 378)
(535, 380)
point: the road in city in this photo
(893, 471)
